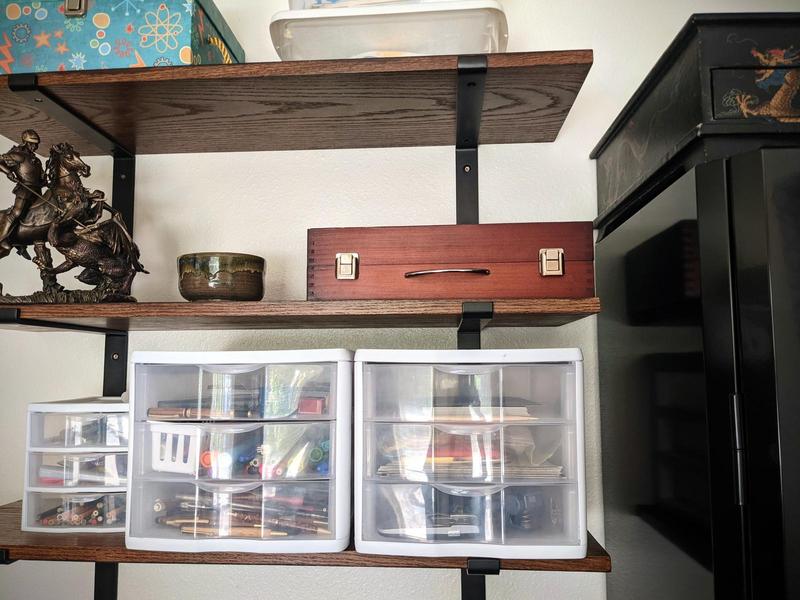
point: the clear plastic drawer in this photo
(77, 470)
(434, 513)
(269, 451)
(52, 511)
(171, 510)
(174, 392)
(469, 393)
(78, 430)
(540, 515)
(467, 453)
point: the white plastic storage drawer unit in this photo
(76, 467)
(241, 451)
(470, 453)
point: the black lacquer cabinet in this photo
(699, 348)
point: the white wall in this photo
(263, 203)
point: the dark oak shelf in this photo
(301, 105)
(160, 316)
(88, 547)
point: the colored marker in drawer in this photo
(306, 458)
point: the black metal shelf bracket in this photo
(469, 106)
(115, 364)
(106, 578)
(474, 316)
(483, 566)
(473, 578)
(27, 86)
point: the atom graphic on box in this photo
(161, 30)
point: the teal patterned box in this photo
(113, 34)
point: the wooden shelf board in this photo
(161, 316)
(301, 105)
(88, 547)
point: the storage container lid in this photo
(79, 405)
(544, 355)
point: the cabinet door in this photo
(765, 207)
(666, 381)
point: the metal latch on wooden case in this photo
(75, 8)
(551, 262)
(347, 265)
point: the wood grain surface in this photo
(505, 280)
(510, 252)
(164, 316)
(87, 547)
(305, 104)
(491, 242)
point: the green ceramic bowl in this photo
(220, 276)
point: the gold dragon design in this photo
(779, 106)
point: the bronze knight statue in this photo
(68, 217)
(23, 167)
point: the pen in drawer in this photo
(232, 532)
(181, 522)
(290, 524)
(180, 413)
(306, 512)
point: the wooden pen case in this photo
(489, 261)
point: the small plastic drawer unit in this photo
(241, 451)
(470, 453)
(76, 470)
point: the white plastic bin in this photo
(243, 517)
(241, 451)
(459, 516)
(241, 392)
(411, 29)
(267, 451)
(61, 512)
(59, 470)
(470, 453)
(84, 430)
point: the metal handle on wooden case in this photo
(473, 270)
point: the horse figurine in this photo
(65, 167)
(68, 217)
